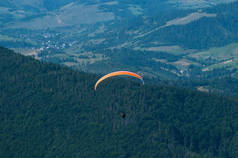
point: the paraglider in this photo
(117, 73)
(123, 115)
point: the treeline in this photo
(224, 86)
(51, 111)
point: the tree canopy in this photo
(47, 110)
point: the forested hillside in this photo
(51, 111)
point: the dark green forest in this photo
(51, 111)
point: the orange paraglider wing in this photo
(117, 73)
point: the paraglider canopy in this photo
(117, 73)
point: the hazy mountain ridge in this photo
(188, 4)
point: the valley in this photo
(172, 42)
